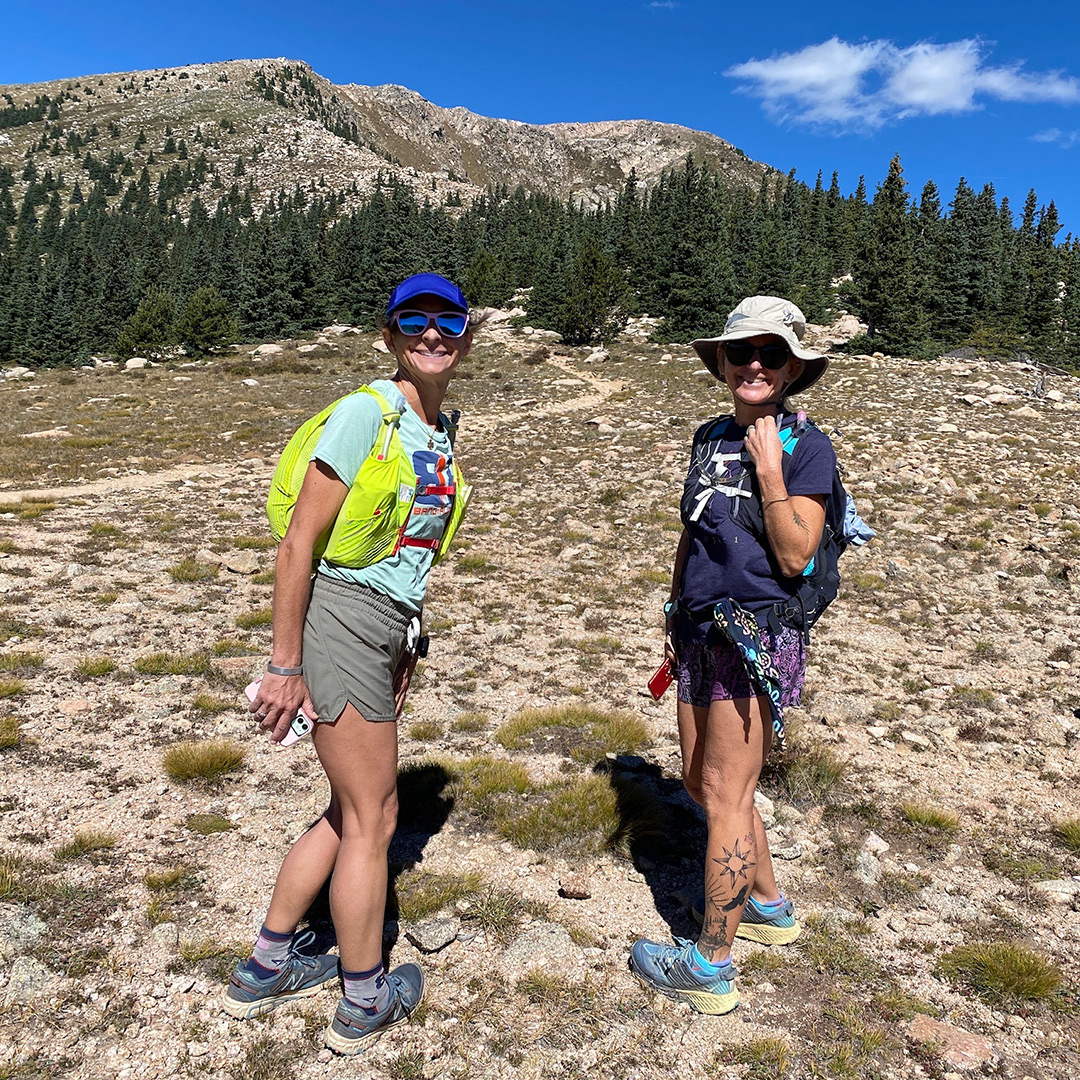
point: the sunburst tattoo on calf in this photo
(737, 862)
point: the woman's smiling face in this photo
(753, 384)
(428, 354)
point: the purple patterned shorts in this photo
(710, 673)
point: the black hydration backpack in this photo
(843, 527)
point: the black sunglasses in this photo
(772, 356)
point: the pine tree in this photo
(150, 330)
(205, 322)
(595, 308)
(885, 279)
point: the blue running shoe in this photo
(671, 970)
(353, 1029)
(248, 995)
(769, 925)
(765, 925)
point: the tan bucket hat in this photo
(766, 315)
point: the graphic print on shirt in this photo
(432, 470)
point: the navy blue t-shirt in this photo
(726, 558)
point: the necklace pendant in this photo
(430, 443)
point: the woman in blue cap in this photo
(344, 649)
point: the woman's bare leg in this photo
(350, 840)
(724, 748)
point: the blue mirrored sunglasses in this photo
(451, 324)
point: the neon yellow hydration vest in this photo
(370, 525)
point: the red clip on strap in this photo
(409, 541)
(435, 490)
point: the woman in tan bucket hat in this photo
(751, 527)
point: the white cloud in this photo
(845, 85)
(669, 5)
(1065, 139)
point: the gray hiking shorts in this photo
(354, 638)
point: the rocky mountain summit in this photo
(276, 123)
(925, 819)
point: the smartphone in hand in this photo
(662, 678)
(301, 725)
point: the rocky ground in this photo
(921, 809)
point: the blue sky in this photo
(983, 90)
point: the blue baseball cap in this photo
(426, 285)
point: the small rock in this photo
(575, 887)
(1026, 412)
(20, 930)
(27, 978)
(269, 349)
(545, 945)
(166, 934)
(136, 363)
(1059, 892)
(959, 1049)
(251, 382)
(74, 706)
(435, 934)
(868, 868)
(875, 844)
(791, 852)
(918, 742)
(243, 562)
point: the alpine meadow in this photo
(195, 260)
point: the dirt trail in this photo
(135, 482)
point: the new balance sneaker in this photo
(671, 970)
(766, 925)
(353, 1029)
(249, 994)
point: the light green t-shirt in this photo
(345, 442)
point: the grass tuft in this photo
(169, 879)
(95, 667)
(587, 815)
(203, 760)
(208, 824)
(85, 842)
(254, 543)
(423, 892)
(1002, 973)
(764, 1059)
(479, 783)
(9, 732)
(930, 817)
(233, 647)
(173, 664)
(187, 570)
(20, 663)
(211, 704)
(585, 733)
(809, 771)
(11, 687)
(1068, 833)
(469, 722)
(252, 620)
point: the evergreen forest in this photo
(133, 265)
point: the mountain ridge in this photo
(343, 135)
